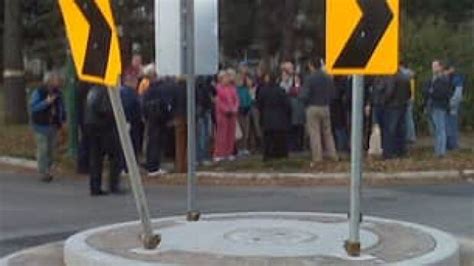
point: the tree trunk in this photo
(13, 73)
(288, 46)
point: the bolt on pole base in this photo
(352, 248)
(193, 216)
(151, 242)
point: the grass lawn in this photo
(15, 140)
(419, 159)
(18, 141)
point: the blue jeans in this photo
(45, 146)
(438, 120)
(203, 134)
(394, 132)
(379, 118)
(452, 131)
(410, 123)
(342, 139)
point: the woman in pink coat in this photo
(227, 106)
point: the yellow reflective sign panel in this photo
(93, 40)
(362, 37)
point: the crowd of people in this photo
(242, 111)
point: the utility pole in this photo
(189, 33)
(13, 73)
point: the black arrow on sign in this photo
(98, 44)
(376, 17)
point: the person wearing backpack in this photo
(103, 140)
(437, 94)
(158, 106)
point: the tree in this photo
(1, 39)
(14, 77)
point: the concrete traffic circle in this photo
(263, 239)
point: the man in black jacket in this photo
(158, 108)
(275, 109)
(103, 140)
(396, 97)
(437, 94)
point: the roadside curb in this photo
(466, 251)
(19, 162)
(295, 179)
(323, 179)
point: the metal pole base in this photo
(352, 248)
(151, 242)
(193, 216)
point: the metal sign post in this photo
(353, 244)
(192, 214)
(95, 49)
(150, 240)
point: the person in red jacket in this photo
(227, 106)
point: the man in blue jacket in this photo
(47, 117)
(452, 125)
(132, 109)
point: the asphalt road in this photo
(33, 213)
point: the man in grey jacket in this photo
(317, 94)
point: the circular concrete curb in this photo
(44, 255)
(91, 247)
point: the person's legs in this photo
(410, 123)
(267, 145)
(281, 144)
(246, 132)
(313, 124)
(293, 138)
(326, 134)
(242, 143)
(439, 123)
(153, 149)
(207, 136)
(219, 139)
(256, 122)
(202, 137)
(136, 132)
(256, 130)
(111, 140)
(400, 135)
(230, 136)
(52, 143)
(42, 153)
(389, 130)
(95, 160)
(141, 138)
(452, 131)
(367, 130)
(300, 136)
(379, 118)
(83, 152)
